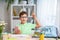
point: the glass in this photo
(41, 36)
(24, 17)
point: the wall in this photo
(47, 11)
(58, 15)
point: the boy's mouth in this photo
(23, 20)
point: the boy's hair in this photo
(22, 13)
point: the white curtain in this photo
(46, 11)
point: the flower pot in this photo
(1, 30)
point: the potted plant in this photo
(2, 26)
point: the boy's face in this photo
(23, 18)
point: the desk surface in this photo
(18, 37)
(21, 37)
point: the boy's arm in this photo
(36, 20)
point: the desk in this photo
(18, 37)
(22, 37)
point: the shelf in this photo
(23, 5)
(15, 17)
(17, 8)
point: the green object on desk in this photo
(11, 39)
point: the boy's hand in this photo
(33, 15)
(36, 20)
(16, 30)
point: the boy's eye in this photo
(24, 17)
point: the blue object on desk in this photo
(50, 31)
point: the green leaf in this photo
(6, 0)
(19, 1)
(1, 29)
(12, 1)
(9, 3)
(8, 6)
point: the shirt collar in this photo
(24, 23)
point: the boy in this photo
(24, 27)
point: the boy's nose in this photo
(24, 18)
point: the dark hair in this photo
(22, 13)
